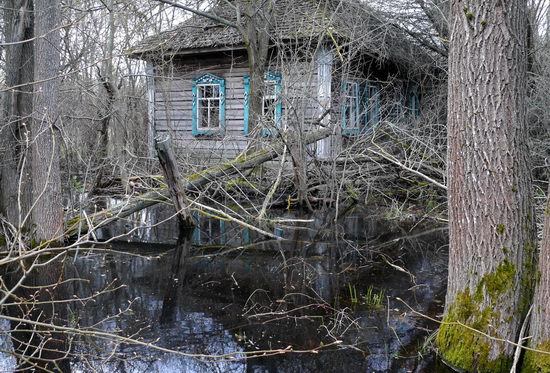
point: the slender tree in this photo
(46, 176)
(540, 319)
(492, 231)
(15, 188)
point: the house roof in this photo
(352, 23)
(293, 19)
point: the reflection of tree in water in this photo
(41, 298)
(292, 293)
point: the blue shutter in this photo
(246, 104)
(207, 79)
(279, 98)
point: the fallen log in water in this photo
(83, 222)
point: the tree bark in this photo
(173, 179)
(47, 213)
(491, 219)
(255, 31)
(15, 188)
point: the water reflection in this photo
(226, 290)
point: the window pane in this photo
(203, 117)
(269, 90)
(216, 91)
(214, 116)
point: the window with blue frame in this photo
(208, 113)
(371, 110)
(272, 105)
(351, 110)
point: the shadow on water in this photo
(329, 287)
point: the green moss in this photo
(484, 23)
(239, 182)
(506, 251)
(497, 283)
(465, 348)
(528, 277)
(468, 13)
(73, 221)
(352, 192)
(2, 240)
(536, 361)
(501, 228)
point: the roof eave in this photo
(162, 54)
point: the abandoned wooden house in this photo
(322, 55)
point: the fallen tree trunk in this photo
(82, 223)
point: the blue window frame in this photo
(208, 113)
(272, 105)
(371, 102)
(350, 109)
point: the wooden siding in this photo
(173, 103)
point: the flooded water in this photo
(329, 297)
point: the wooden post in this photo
(173, 179)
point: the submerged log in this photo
(173, 179)
(81, 223)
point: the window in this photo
(272, 106)
(208, 115)
(371, 104)
(350, 109)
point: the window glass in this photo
(269, 100)
(208, 105)
(351, 109)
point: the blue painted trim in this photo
(207, 79)
(266, 132)
(246, 104)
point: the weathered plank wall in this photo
(173, 102)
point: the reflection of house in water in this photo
(212, 231)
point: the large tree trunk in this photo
(47, 213)
(492, 232)
(540, 319)
(15, 189)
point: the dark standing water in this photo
(328, 287)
